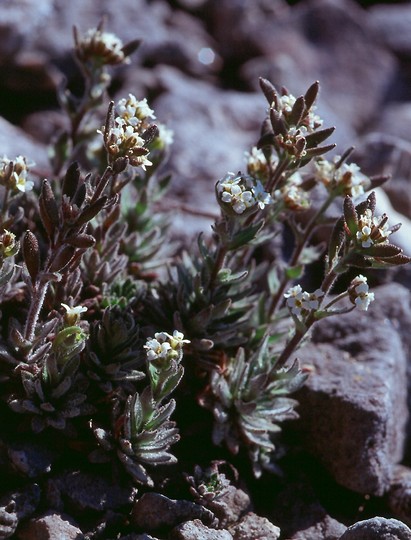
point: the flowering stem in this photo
(301, 242)
(34, 310)
(311, 319)
(274, 179)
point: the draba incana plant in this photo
(112, 330)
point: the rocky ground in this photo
(347, 475)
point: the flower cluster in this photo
(257, 164)
(343, 178)
(8, 245)
(292, 195)
(372, 230)
(165, 345)
(300, 302)
(240, 193)
(100, 47)
(13, 174)
(359, 294)
(311, 121)
(125, 135)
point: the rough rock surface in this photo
(155, 511)
(253, 527)
(354, 406)
(51, 526)
(376, 529)
(196, 530)
(301, 516)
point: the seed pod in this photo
(149, 134)
(350, 215)
(130, 47)
(48, 208)
(269, 91)
(297, 112)
(31, 255)
(311, 94)
(91, 211)
(62, 259)
(82, 241)
(336, 240)
(71, 180)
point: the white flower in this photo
(157, 349)
(76, 310)
(177, 340)
(164, 345)
(359, 293)
(286, 103)
(104, 46)
(242, 192)
(21, 182)
(133, 111)
(261, 196)
(72, 315)
(301, 302)
(312, 301)
(295, 297)
(347, 179)
(363, 236)
(165, 134)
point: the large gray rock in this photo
(377, 528)
(392, 23)
(353, 407)
(155, 511)
(332, 42)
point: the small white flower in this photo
(363, 236)
(75, 310)
(164, 345)
(359, 293)
(295, 298)
(261, 196)
(177, 340)
(157, 349)
(21, 182)
(165, 134)
(312, 301)
(72, 315)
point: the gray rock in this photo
(327, 40)
(196, 530)
(300, 515)
(399, 494)
(14, 142)
(51, 526)
(391, 23)
(354, 406)
(254, 527)
(15, 506)
(230, 506)
(226, 124)
(86, 491)
(154, 511)
(377, 528)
